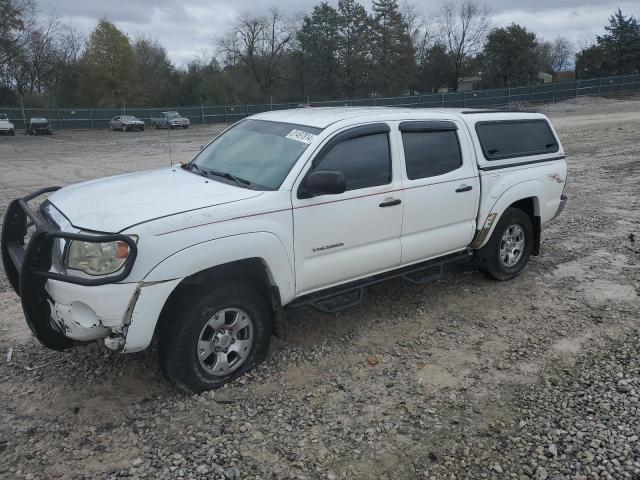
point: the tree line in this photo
(332, 52)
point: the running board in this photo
(351, 294)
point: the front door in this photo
(345, 236)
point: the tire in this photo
(124, 128)
(200, 316)
(111, 127)
(514, 225)
(142, 129)
(154, 125)
(185, 126)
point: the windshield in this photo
(38, 120)
(3, 116)
(258, 151)
(173, 115)
(128, 118)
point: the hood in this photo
(115, 203)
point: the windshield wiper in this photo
(191, 166)
(241, 182)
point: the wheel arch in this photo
(524, 196)
(252, 271)
(268, 270)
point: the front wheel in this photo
(185, 126)
(214, 337)
(508, 250)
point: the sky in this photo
(190, 28)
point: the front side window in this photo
(365, 160)
(258, 151)
(431, 153)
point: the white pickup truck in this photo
(283, 209)
(6, 127)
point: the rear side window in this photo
(365, 161)
(518, 138)
(428, 154)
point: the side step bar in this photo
(351, 294)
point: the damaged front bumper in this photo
(61, 309)
(124, 315)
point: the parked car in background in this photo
(170, 120)
(6, 127)
(126, 123)
(284, 209)
(38, 126)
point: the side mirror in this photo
(323, 182)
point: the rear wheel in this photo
(214, 337)
(154, 125)
(508, 250)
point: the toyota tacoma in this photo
(282, 209)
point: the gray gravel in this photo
(465, 378)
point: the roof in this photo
(325, 116)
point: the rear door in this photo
(441, 189)
(344, 236)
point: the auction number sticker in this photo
(301, 136)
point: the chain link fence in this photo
(86, 118)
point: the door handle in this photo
(463, 188)
(390, 203)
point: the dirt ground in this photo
(537, 377)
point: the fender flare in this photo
(263, 245)
(526, 189)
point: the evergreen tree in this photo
(435, 71)
(617, 52)
(511, 56)
(318, 40)
(393, 53)
(353, 47)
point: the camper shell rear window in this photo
(515, 138)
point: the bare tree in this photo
(259, 43)
(419, 28)
(50, 47)
(463, 26)
(561, 52)
(555, 55)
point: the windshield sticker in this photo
(301, 136)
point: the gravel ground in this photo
(538, 377)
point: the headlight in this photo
(95, 258)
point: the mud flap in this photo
(279, 326)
